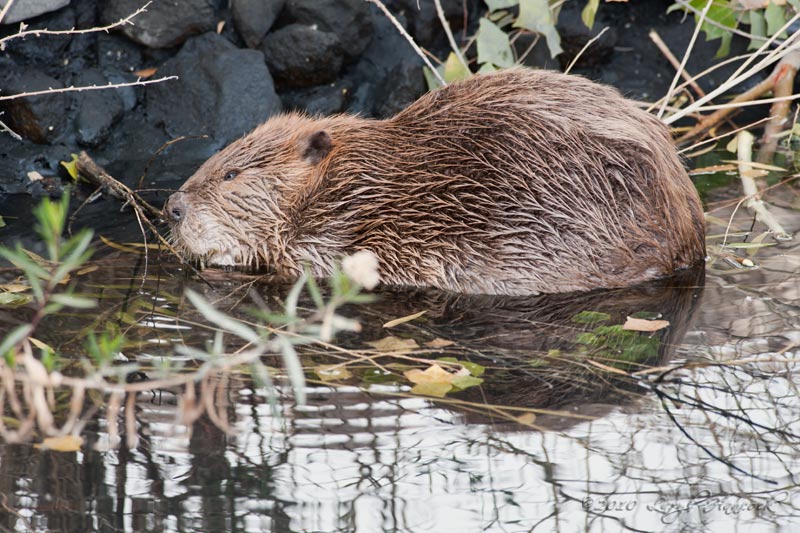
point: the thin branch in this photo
(686, 55)
(449, 33)
(5, 10)
(585, 47)
(4, 127)
(72, 88)
(662, 46)
(740, 75)
(410, 39)
(72, 31)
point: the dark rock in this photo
(388, 75)
(575, 36)
(20, 159)
(349, 19)
(320, 101)
(222, 91)
(97, 111)
(117, 53)
(302, 56)
(164, 24)
(50, 49)
(404, 84)
(254, 18)
(25, 10)
(424, 24)
(40, 119)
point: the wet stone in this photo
(117, 53)
(254, 18)
(302, 56)
(22, 11)
(40, 119)
(349, 19)
(321, 100)
(164, 24)
(222, 91)
(98, 110)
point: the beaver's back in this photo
(517, 182)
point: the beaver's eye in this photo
(229, 176)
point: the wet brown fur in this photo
(518, 182)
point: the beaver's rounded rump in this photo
(518, 182)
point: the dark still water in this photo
(578, 424)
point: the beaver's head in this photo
(234, 209)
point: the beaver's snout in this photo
(175, 208)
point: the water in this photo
(575, 428)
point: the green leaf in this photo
(222, 320)
(294, 295)
(465, 382)
(591, 317)
(78, 302)
(313, 290)
(494, 5)
(536, 15)
(431, 80)
(15, 299)
(589, 12)
(2, 223)
(71, 166)
(776, 18)
(454, 70)
(13, 338)
(758, 27)
(294, 370)
(493, 45)
(78, 254)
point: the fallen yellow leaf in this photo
(332, 373)
(439, 343)
(640, 324)
(432, 374)
(394, 344)
(67, 443)
(403, 320)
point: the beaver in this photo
(515, 182)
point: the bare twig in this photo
(5, 10)
(72, 88)
(410, 39)
(662, 46)
(784, 85)
(585, 47)
(449, 33)
(686, 55)
(753, 201)
(72, 31)
(743, 72)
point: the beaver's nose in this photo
(175, 208)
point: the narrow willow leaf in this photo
(294, 370)
(294, 296)
(222, 320)
(78, 302)
(16, 335)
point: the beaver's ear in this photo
(316, 146)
